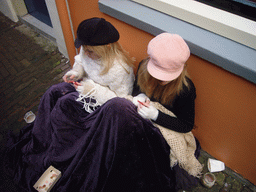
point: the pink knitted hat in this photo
(168, 54)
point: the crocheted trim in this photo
(89, 101)
(183, 146)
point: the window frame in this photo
(234, 27)
(243, 8)
(223, 52)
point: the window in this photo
(229, 25)
(243, 8)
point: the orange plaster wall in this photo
(225, 116)
(225, 104)
(81, 10)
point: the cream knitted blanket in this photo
(182, 145)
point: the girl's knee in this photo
(120, 104)
(68, 99)
(61, 89)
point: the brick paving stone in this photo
(65, 67)
(7, 93)
(3, 72)
(24, 85)
(13, 104)
(2, 57)
(19, 78)
(40, 59)
(235, 185)
(17, 65)
(27, 77)
(25, 62)
(220, 178)
(13, 54)
(7, 65)
(246, 189)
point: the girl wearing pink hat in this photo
(163, 78)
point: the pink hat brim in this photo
(161, 74)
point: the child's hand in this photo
(76, 84)
(84, 87)
(148, 112)
(141, 104)
(70, 76)
(141, 97)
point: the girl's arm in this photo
(185, 117)
(120, 82)
(119, 85)
(77, 72)
(184, 108)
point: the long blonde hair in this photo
(108, 53)
(152, 87)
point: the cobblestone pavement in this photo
(29, 65)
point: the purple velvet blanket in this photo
(111, 149)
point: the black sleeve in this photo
(184, 108)
(136, 89)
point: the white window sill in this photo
(230, 55)
(231, 26)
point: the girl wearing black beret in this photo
(103, 65)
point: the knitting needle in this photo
(74, 82)
(144, 104)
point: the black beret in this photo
(96, 31)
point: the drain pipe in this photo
(67, 27)
(71, 23)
